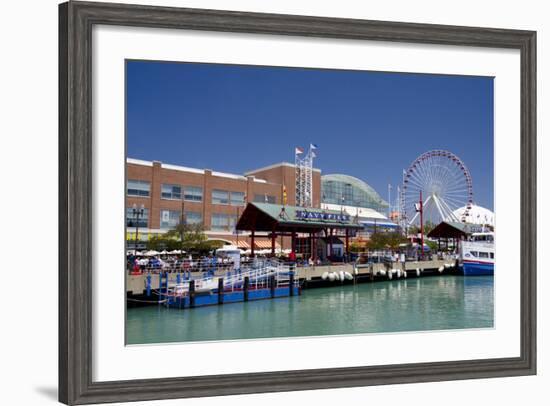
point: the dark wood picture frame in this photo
(76, 20)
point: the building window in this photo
(192, 193)
(169, 218)
(140, 188)
(193, 217)
(265, 199)
(223, 222)
(220, 197)
(133, 221)
(172, 192)
(237, 199)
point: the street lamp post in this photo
(137, 213)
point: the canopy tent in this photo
(242, 244)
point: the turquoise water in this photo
(428, 303)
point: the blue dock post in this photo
(220, 290)
(148, 284)
(245, 288)
(160, 287)
(178, 278)
(166, 284)
(272, 285)
(192, 294)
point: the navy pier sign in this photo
(315, 215)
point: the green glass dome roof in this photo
(350, 191)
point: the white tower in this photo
(304, 176)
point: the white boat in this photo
(477, 254)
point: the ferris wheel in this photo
(445, 184)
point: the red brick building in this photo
(214, 199)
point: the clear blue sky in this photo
(371, 125)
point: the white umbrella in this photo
(151, 253)
(164, 252)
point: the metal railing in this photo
(258, 274)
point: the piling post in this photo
(291, 284)
(245, 288)
(272, 285)
(220, 290)
(192, 293)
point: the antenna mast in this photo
(304, 176)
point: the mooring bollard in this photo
(245, 288)
(192, 293)
(291, 284)
(220, 290)
(272, 285)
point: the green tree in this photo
(428, 226)
(383, 240)
(432, 244)
(190, 236)
(186, 237)
(163, 242)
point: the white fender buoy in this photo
(399, 273)
(441, 268)
(418, 272)
(348, 276)
(382, 272)
(331, 276)
(336, 276)
(447, 266)
(341, 275)
(324, 276)
(390, 274)
(404, 274)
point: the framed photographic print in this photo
(259, 203)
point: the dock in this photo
(377, 271)
(181, 290)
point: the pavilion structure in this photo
(275, 220)
(450, 231)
